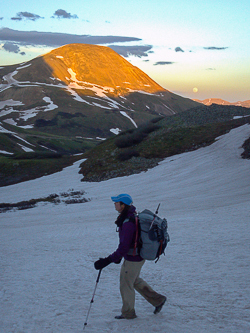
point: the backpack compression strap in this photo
(136, 235)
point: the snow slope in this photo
(47, 253)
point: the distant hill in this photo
(210, 101)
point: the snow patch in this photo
(51, 105)
(55, 79)
(19, 138)
(9, 78)
(115, 130)
(24, 66)
(4, 130)
(167, 107)
(8, 111)
(140, 92)
(97, 89)
(126, 115)
(5, 152)
(238, 117)
(27, 126)
(10, 121)
(26, 149)
(9, 102)
(101, 106)
(76, 96)
(82, 137)
(27, 114)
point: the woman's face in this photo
(119, 207)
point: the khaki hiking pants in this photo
(129, 282)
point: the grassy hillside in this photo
(25, 166)
(48, 153)
(138, 150)
(129, 152)
(13, 137)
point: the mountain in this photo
(210, 101)
(82, 90)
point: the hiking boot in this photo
(122, 317)
(159, 307)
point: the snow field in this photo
(47, 253)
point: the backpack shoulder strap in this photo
(136, 234)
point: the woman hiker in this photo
(132, 264)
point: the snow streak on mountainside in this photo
(47, 252)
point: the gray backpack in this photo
(153, 235)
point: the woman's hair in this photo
(123, 215)
(126, 206)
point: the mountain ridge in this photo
(97, 67)
(210, 101)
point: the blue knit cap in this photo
(124, 198)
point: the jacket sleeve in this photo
(126, 240)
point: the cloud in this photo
(52, 39)
(11, 47)
(26, 15)
(215, 48)
(16, 18)
(211, 69)
(136, 50)
(61, 13)
(178, 49)
(162, 63)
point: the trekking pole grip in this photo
(156, 212)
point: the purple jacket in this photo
(127, 234)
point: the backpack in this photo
(151, 235)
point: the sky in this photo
(197, 49)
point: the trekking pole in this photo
(156, 212)
(92, 300)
